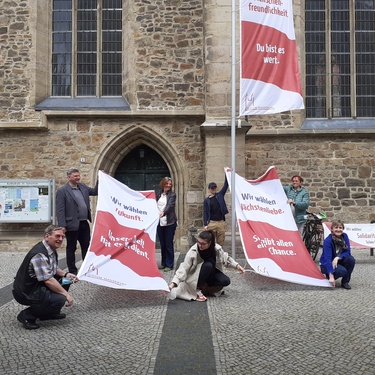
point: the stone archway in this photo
(115, 151)
(120, 146)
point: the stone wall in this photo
(103, 143)
(338, 169)
(168, 54)
(16, 73)
(177, 79)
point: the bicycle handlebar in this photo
(320, 215)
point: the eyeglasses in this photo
(57, 236)
(202, 243)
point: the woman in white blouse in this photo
(166, 229)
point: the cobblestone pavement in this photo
(260, 326)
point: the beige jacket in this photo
(186, 277)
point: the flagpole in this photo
(233, 129)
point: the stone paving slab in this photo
(10, 262)
(186, 342)
(265, 326)
(107, 331)
(260, 326)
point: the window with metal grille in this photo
(340, 58)
(87, 48)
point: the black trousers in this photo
(50, 303)
(211, 276)
(82, 235)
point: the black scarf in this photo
(208, 255)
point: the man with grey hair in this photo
(73, 213)
(36, 283)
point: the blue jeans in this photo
(344, 269)
(166, 237)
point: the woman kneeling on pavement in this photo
(336, 260)
(202, 270)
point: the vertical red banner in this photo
(270, 77)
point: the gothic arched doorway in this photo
(142, 169)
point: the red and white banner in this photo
(122, 248)
(361, 236)
(270, 76)
(272, 244)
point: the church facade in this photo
(143, 90)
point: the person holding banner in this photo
(202, 270)
(73, 213)
(299, 201)
(36, 283)
(336, 260)
(166, 200)
(214, 211)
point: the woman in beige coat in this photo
(202, 269)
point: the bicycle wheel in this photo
(314, 245)
(306, 237)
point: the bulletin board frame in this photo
(27, 201)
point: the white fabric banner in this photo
(361, 236)
(270, 79)
(272, 244)
(122, 249)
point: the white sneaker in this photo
(200, 296)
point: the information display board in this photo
(26, 201)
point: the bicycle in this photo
(313, 233)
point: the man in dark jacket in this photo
(36, 284)
(73, 213)
(215, 210)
